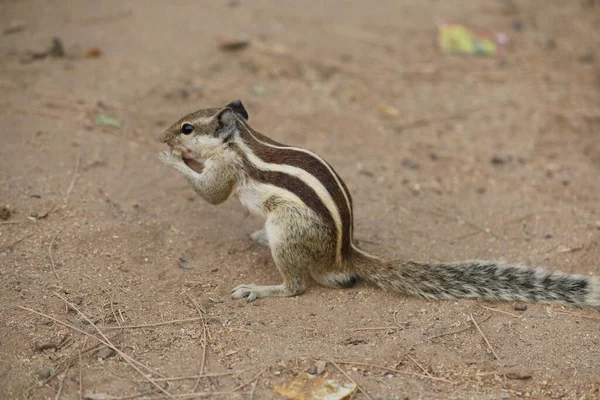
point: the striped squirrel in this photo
(309, 221)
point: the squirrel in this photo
(309, 221)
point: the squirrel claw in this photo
(250, 291)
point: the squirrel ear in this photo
(227, 124)
(237, 106)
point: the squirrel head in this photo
(205, 130)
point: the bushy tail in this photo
(490, 280)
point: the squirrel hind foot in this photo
(253, 292)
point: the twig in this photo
(254, 384)
(50, 253)
(61, 383)
(501, 311)
(68, 362)
(576, 315)
(376, 328)
(175, 321)
(203, 360)
(183, 378)
(76, 174)
(351, 380)
(396, 313)
(105, 341)
(458, 331)
(249, 381)
(52, 345)
(420, 366)
(484, 338)
(112, 346)
(80, 377)
(434, 378)
(480, 228)
(112, 309)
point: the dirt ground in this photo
(447, 158)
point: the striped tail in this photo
(489, 280)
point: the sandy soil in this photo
(447, 158)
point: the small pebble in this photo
(587, 58)
(318, 368)
(410, 164)
(77, 300)
(518, 374)
(183, 263)
(206, 303)
(520, 307)
(105, 353)
(547, 236)
(498, 159)
(44, 374)
(517, 24)
(5, 213)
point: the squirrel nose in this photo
(165, 137)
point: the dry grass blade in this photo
(112, 309)
(61, 382)
(175, 321)
(376, 328)
(50, 253)
(10, 222)
(249, 381)
(183, 378)
(103, 339)
(398, 371)
(80, 377)
(420, 366)
(112, 346)
(64, 365)
(458, 331)
(351, 380)
(500, 311)
(576, 315)
(484, 338)
(254, 384)
(203, 360)
(76, 173)
(396, 314)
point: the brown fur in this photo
(314, 167)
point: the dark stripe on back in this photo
(292, 184)
(311, 165)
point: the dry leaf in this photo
(310, 387)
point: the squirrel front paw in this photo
(170, 158)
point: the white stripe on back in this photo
(309, 180)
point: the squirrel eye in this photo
(186, 129)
